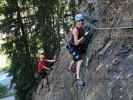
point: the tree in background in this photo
(30, 25)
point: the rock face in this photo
(108, 63)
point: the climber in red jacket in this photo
(42, 68)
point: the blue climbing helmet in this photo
(79, 17)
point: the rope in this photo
(110, 28)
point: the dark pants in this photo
(43, 74)
(75, 52)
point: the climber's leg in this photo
(78, 58)
(44, 82)
(47, 83)
(39, 87)
(78, 69)
(78, 61)
(73, 68)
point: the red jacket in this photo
(41, 65)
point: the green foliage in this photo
(3, 90)
(33, 25)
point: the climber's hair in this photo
(40, 56)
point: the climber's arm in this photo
(50, 60)
(76, 40)
(45, 67)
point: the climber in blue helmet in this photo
(76, 44)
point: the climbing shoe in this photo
(80, 82)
